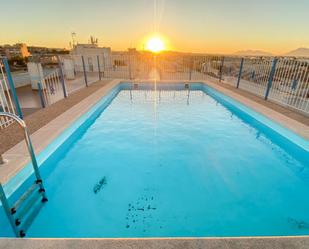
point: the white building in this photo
(90, 52)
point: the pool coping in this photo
(288, 242)
(18, 156)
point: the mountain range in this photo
(299, 52)
(252, 53)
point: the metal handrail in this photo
(22, 124)
(39, 181)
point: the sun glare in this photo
(155, 45)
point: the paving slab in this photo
(160, 243)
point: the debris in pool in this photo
(300, 224)
(99, 185)
(135, 219)
(149, 207)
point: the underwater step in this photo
(25, 209)
(28, 219)
(22, 212)
(27, 206)
(23, 198)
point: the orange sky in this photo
(221, 26)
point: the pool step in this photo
(27, 207)
(21, 200)
(28, 219)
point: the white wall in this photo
(35, 71)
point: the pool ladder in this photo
(22, 213)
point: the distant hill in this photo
(252, 53)
(299, 52)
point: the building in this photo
(16, 50)
(2, 51)
(91, 52)
(44, 51)
(46, 55)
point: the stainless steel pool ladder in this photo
(24, 210)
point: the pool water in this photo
(175, 163)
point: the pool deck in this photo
(166, 243)
(278, 108)
(45, 125)
(292, 120)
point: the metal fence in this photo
(281, 80)
(290, 84)
(51, 88)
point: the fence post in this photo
(271, 77)
(85, 74)
(103, 62)
(190, 67)
(99, 70)
(12, 87)
(130, 69)
(41, 94)
(240, 72)
(221, 69)
(62, 78)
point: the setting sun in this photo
(155, 44)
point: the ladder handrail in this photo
(10, 211)
(23, 125)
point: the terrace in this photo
(275, 88)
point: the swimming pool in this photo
(172, 162)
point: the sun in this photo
(155, 44)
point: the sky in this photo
(213, 26)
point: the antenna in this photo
(93, 40)
(73, 35)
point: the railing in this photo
(290, 84)
(281, 80)
(255, 74)
(8, 98)
(51, 88)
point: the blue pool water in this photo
(171, 163)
